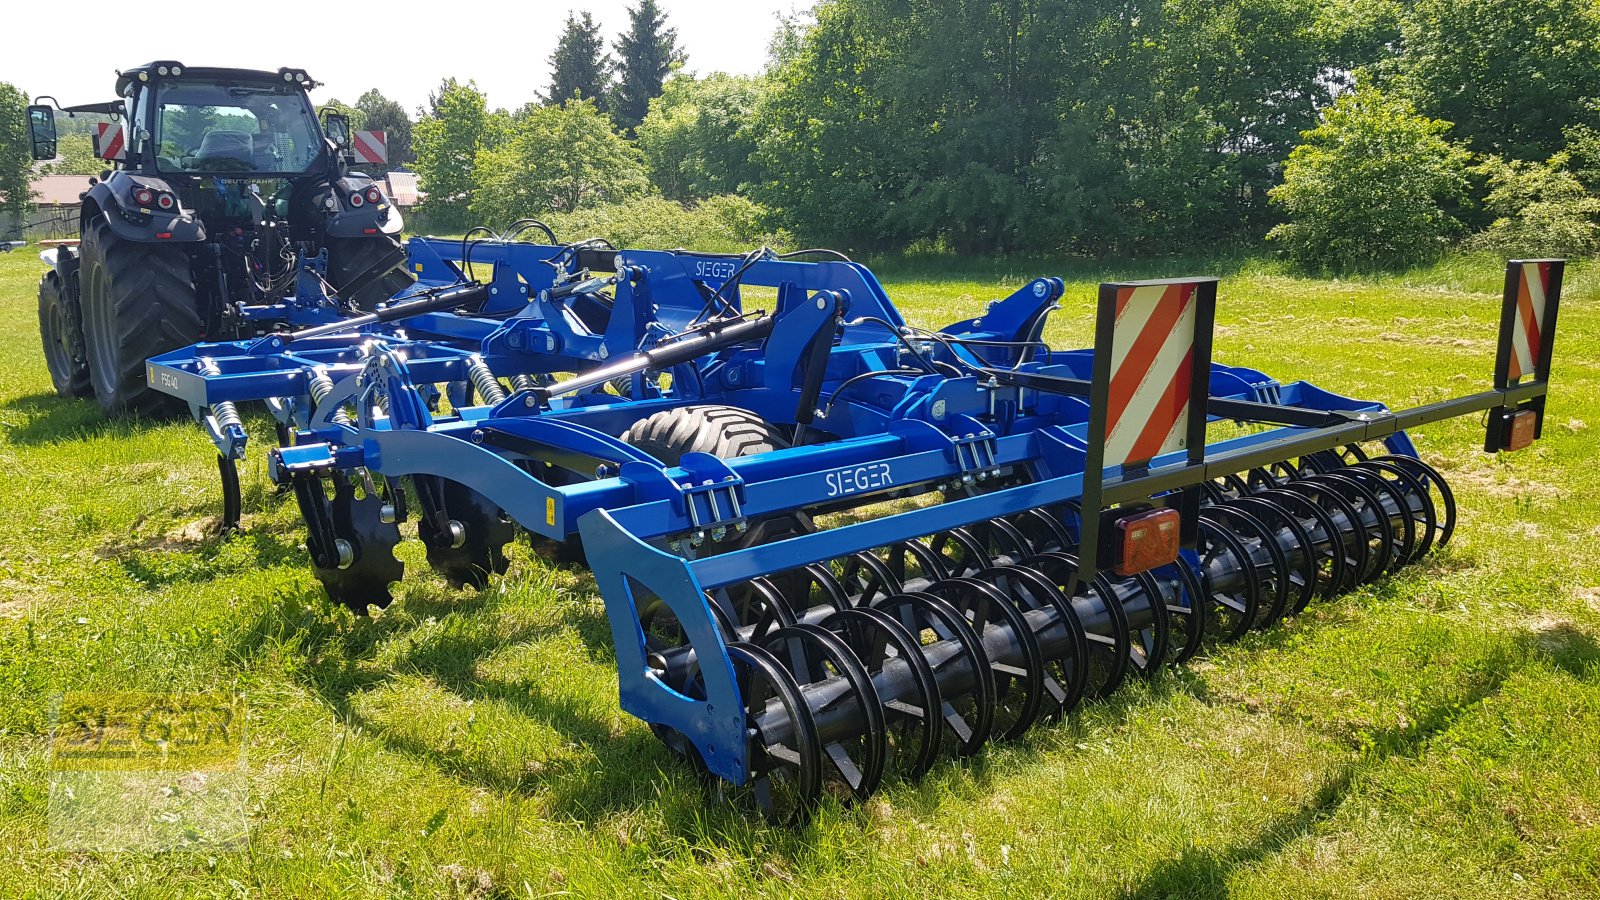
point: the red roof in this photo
(59, 190)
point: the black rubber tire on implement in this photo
(137, 302)
(724, 431)
(727, 432)
(61, 331)
(367, 270)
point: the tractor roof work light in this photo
(297, 76)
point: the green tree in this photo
(1509, 73)
(1369, 185)
(382, 114)
(1541, 209)
(557, 159)
(74, 156)
(16, 154)
(447, 145)
(646, 53)
(698, 138)
(580, 66)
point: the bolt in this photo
(347, 553)
(529, 401)
(477, 436)
(821, 303)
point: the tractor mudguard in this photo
(114, 198)
(346, 219)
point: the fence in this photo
(41, 222)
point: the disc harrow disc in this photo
(479, 552)
(358, 520)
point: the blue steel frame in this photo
(1014, 413)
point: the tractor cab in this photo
(226, 184)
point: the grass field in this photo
(1436, 734)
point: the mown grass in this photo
(1436, 734)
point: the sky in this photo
(404, 48)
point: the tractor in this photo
(226, 192)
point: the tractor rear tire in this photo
(138, 302)
(61, 331)
(367, 270)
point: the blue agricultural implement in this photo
(831, 544)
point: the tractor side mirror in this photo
(42, 128)
(337, 127)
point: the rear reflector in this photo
(163, 235)
(1146, 541)
(1520, 427)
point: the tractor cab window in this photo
(218, 128)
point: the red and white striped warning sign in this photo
(1526, 331)
(109, 140)
(1152, 372)
(371, 146)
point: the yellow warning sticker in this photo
(419, 267)
(550, 510)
